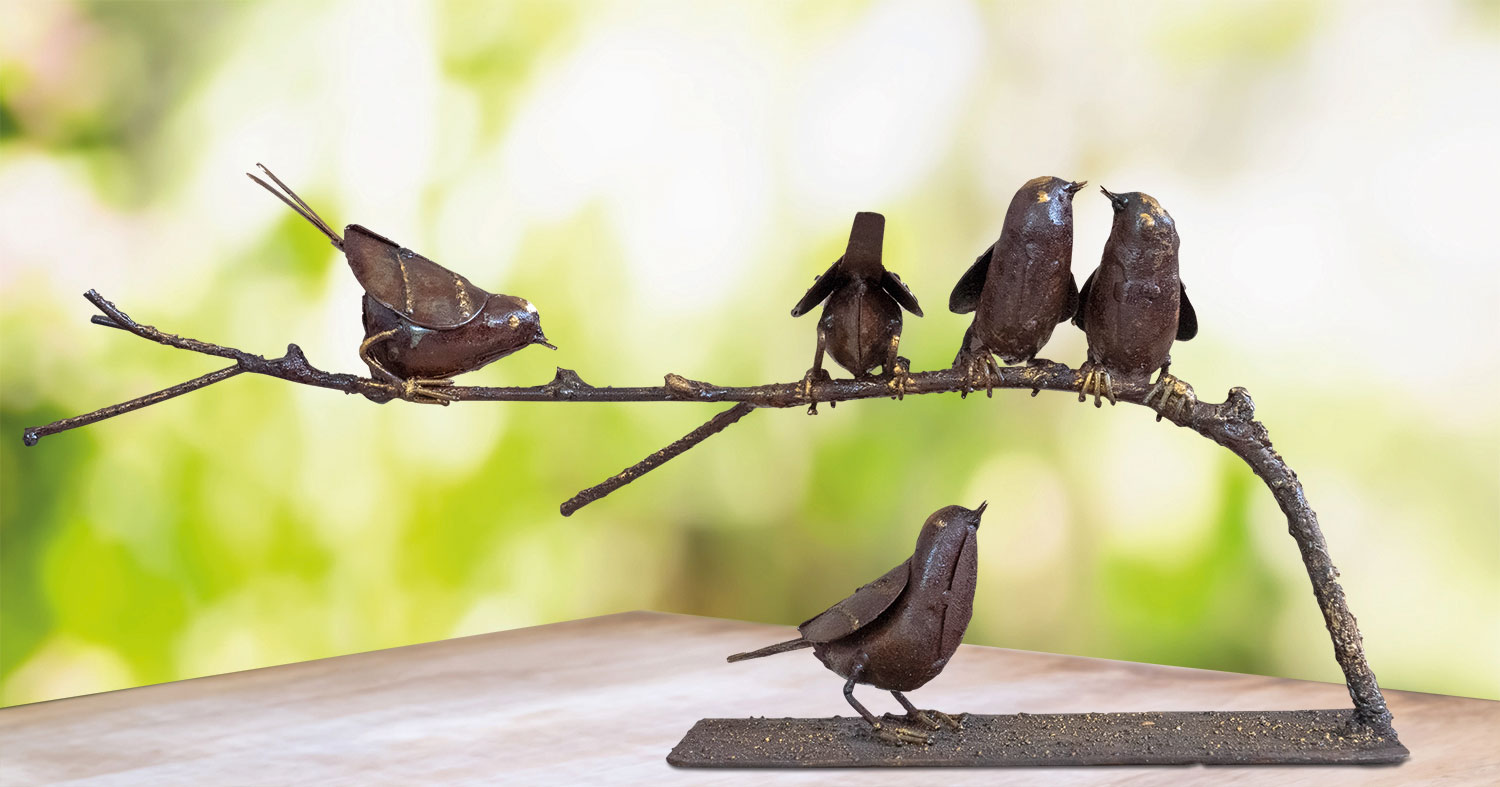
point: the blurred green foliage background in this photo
(664, 179)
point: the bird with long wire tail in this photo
(423, 323)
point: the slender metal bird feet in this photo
(900, 374)
(424, 391)
(817, 374)
(899, 736)
(1097, 381)
(932, 719)
(1175, 394)
(980, 369)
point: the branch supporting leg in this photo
(1231, 426)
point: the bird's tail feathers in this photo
(771, 650)
(295, 203)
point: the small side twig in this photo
(712, 427)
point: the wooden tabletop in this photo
(603, 700)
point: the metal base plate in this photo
(1178, 738)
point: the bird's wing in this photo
(821, 289)
(409, 284)
(1083, 299)
(858, 610)
(1074, 299)
(965, 297)
(897, 289)
(1187, 318)
(960, 605)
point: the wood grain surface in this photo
(603, 700)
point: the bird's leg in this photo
(1168, 387)
(897, 368)
(899, 736)
(926, 717)
(816, 373)
(417, 390)
(1096, 381)
(971, 359)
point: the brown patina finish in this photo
(861, 323)
(1022, 286)
(1133, 305)
(898, 632)
(423, 322)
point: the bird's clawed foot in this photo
(813, 375)
(424, 390)
(1175, 394)
(899, 736)
(900, 374)
(1097, 381)
(931, 719)
(980, 369)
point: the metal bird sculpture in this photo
(1022, 286)
(861, 323)
(898, 632)
(1134, 306)
(423, 322)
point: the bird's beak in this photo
(541, 339)
(1114, 199)
(979, 512)
(1075, 187)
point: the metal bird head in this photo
(1046, 201)
(866, 238)
(1139, 215)
(507, 324)
(947, 530)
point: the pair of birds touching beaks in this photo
(424, 323)
(1131, 308)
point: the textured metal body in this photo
(505, 324)
(1133, 305)
(1022, 286)
(898, 632)
(1295, 737)
(423, 322)
(861, 322)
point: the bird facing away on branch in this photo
(861, 322)
(898, 632)
(1022, 286)
(1134, 306)
(423, 322)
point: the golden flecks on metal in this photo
(1147, 220)
(513, 321)
(405, 281)
(1041, 196)
(465, 306)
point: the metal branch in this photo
(1230, 424)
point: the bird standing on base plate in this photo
(1022, 286)
(1134, 306)
(898, 632)
(423, 322)
(861, 325)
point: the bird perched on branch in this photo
(1022, 286)
(861, 324)
(423, 322)
(1134, 306)
(898, 632)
